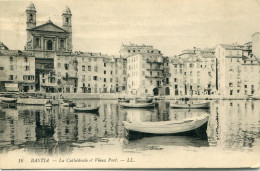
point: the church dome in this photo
(67, 11)
(31, 7)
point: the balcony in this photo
(154, 76)
(167, 74)
(157, 68)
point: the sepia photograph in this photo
(128, 84)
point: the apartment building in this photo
(145, 74)
(235, 70)
(250, 72)
(177, 76)
(95, 73)
(17, 71)
(193, 73)
(120, 74)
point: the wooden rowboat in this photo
(9, 100)
(137, 105)
(167, 127)
(86, 109)
(191, 106)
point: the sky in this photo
(169, 25)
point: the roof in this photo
(234, 46)
(207, 55)
(3, 46)
(92, 54)
(49, 26)
(255, 34)
(67, 10)
(15, 53)
(135, 45)
(31, 7)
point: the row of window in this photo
(231, 92)
(132, 66)
(90, 59)
(95, 78)
(231, 85)
(28, 77)
(11, 59)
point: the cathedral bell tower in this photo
(31, 16)
(30, 23)
(66, 18)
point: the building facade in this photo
(238, 71)
(17, 71)
(96, 73)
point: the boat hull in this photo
(166, 127)
(124, 100)
(256, 97)
(9, 100)
(200, 133)
(93, 110)
(191, 106)
(137, 105)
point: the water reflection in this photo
(159, 142)
(233, 125)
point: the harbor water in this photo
(233, 128)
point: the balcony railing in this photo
(154, 76)
(155, 68)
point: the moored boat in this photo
(255, 97)
(48, 104)
(70, 102)
(123, 100)
(86, 109)
(137, 105)
(9, 99)
(167, 127)
(192, 106)
(144, 100)
(65, 105)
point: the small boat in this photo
(86, 109)
(144, 100)
(167, 127)
(65, 105)
(123, 100)
(9, 99)
(255, 97)
(48, 104)
(70, 102)
(138, 105)
(23, 96)
(192, 106)
(55, 103)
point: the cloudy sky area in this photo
(168, 25)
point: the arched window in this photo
(61, 43)
(37, 42)
(67, 20)
(49, 45)
(31, 17)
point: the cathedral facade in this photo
(47, 39)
